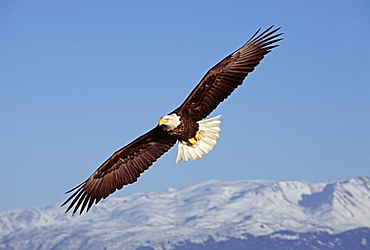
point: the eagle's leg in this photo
(203, 141)
(195, 139)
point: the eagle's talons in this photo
(197, 136)
(193, 141)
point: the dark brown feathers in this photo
(122, 168)
(126, 165)
(221, 80)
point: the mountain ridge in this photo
(217, 210)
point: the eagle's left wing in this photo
(122, 168)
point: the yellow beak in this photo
(162, 121)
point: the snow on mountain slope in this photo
(214, 210)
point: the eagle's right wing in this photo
(221, 80)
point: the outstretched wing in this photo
(122, 168)
(221, 80)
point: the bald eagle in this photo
(184, 125)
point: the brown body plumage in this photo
(126, 165)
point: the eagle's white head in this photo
(169, 122)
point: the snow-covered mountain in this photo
(208, 215)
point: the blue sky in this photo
(81, 79)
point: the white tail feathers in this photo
(207, 134)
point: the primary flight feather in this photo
(184, 125)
